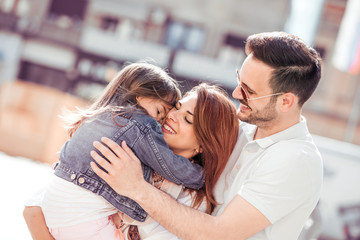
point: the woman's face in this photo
(178, 128)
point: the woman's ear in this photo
(288, 100)
(198, 150)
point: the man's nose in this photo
(237, 93)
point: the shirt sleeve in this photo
(154, 152)
(280, 182)
(36, 199)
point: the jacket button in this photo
(81, 180)
(73, 176)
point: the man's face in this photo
(254, 78)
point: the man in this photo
(273, 178)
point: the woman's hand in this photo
(124, 172)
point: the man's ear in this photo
(287, 101)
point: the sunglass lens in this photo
(243, 94)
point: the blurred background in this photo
(57, 54)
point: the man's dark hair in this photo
(297, 67)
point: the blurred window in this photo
(182, 36)
(70, 8)
(109, 23)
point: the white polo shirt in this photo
(280, 175)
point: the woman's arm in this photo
(35, 221)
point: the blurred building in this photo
(72, 48)
(76, 46)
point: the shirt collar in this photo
(297, 131)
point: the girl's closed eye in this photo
(177, 105)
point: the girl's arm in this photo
(154, 152)
(35, 221)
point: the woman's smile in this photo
(166, 128)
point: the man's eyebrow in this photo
(245, 85)
(249, 89)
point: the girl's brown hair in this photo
(216, 127)
(135, 80)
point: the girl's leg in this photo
(35, 221)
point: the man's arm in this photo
(35, 221)
(240, 219)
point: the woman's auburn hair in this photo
(216, 127)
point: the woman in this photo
(205, 117)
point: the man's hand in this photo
(124, 170)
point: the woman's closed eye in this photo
(187, 115)
(186, 120)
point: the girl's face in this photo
(178, 128)
(156, 108)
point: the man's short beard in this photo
(263, 117)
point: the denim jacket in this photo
(143, 135)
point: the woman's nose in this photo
(172, 115)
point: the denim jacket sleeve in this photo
(154, 152)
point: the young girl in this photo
(121, 113)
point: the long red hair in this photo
(216, 127)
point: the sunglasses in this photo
(245, 94)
